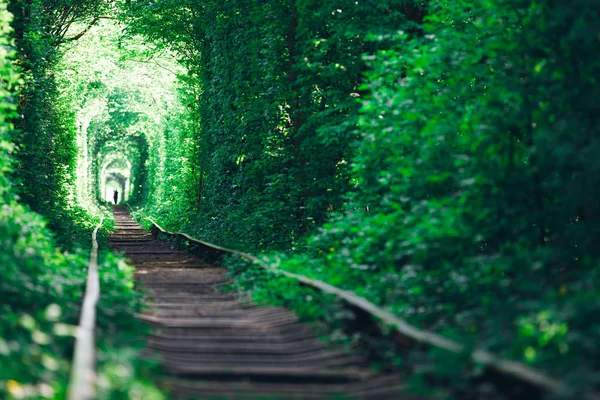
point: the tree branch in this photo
(83, 32)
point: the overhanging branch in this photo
(83, 32)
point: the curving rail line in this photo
(212, 344)
(83, 375)
(510, 368)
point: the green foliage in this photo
(436, 158)
(42, 286)
(122, 377)
(469, 217)
(9, 77)
(44, 162)
(272, 97)
(124, 95)
(42, 292)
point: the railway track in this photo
(215, 345)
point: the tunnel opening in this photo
(123, 111)
(115, 175)
(122, 166)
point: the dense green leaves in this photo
(437, 157)
(464, 219)
(42, 283)
(273, 88)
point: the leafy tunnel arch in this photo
(124, 162)
(392, 147)
(115, 175)
(122, 102)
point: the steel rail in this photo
(512, 368)
(82, 379)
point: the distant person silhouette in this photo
(116, 196)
